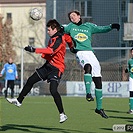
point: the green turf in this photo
(40, 115)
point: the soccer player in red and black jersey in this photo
(53, 68)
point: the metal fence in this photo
(113, 61)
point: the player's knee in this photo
(53, 92)
(98, 86)
(53, 87)
(98, 82)
(88, 68)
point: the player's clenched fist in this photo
(115, 26)
(29, 48)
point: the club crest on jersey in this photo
(10, 70)
(81, 37)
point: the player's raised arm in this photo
(47, 50)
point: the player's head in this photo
(52, 27)
(131, 51)
(74, 16)
(10, 61)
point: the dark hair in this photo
(53, 24)
(74, 11)
(131, 49)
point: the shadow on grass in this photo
(27, 128)
(130, 120)
(108, 129)
(119, 117)
(115, 111)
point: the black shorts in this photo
(9, 84)
(49, 72)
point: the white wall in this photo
(110, 89)
(23, 27)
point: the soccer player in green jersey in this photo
(130, 70)
(81, 34)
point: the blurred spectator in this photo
(11, 74)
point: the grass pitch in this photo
(40, 115)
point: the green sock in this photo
(98, 94)
(131, 103)
(87, 80)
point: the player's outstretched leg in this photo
(14, 101)
(26, 89)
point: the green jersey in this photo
(130, 67)
(82, 34)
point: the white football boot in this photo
(14, 101)
(63, 118)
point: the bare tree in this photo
(1, 58)
(24, 30)
(6, 47)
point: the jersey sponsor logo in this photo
(10, 70)
(81, 37)
(80, 30)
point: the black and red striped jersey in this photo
(54, 53)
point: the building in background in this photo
(25, 30)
